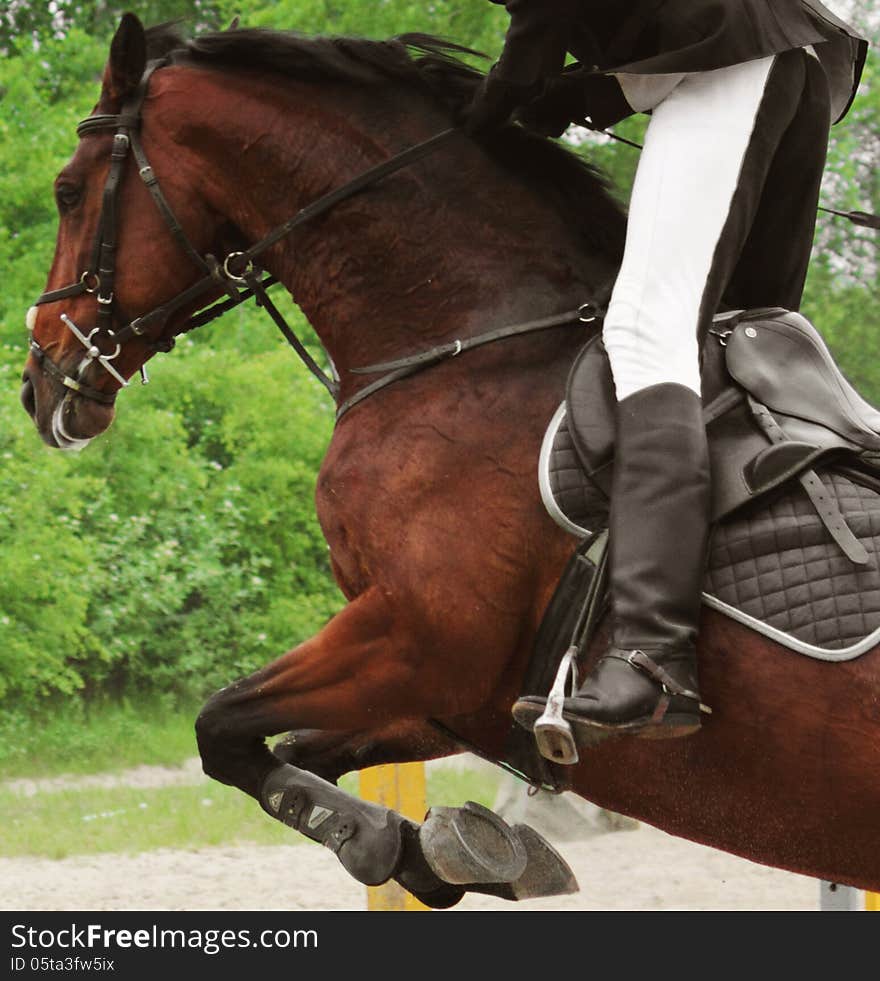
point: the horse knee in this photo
(213, 735)
(231, 743)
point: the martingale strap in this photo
(263, 300)
(403, 367)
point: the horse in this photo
(427, 495)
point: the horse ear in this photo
(128, 58)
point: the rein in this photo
(863, 218)
(103, 343)
(236, 274)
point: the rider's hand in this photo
(493, 104)
(562, 102)
(582, 97)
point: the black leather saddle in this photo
(775, 403)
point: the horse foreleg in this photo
(332, 754)
(360, 672)
(364, 673)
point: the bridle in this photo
(237, 274)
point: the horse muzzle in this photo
(67, 411)
(63, 419)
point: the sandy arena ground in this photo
(619, 865)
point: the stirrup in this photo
(553, 734)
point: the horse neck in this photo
(444, 249)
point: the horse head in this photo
(193, 146)
(116, 258)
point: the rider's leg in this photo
(771, 267)
(707, 158)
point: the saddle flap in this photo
(783, 363)
(590, 406)
(590, 401)
(779, 461)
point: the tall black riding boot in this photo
(646, 682)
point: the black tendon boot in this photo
(646, 682)
(455, 850)
(365, 837)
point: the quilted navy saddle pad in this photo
(772, 566)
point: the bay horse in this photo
(428, 493)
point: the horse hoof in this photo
(471, 844)
(546, 872)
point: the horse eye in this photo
(68, 196)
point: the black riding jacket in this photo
(656, 37)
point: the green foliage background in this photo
(181, 549)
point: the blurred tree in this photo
(27, 24)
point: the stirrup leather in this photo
(553, 733)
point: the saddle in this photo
(776, 406)
(779, 415)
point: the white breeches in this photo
(686, 179)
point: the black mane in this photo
(577, 189)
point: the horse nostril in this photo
(28, 396)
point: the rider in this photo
(742, 94)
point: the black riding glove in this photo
(493, 104)
(562, 102)
(579, 97)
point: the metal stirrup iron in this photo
(553, 734)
